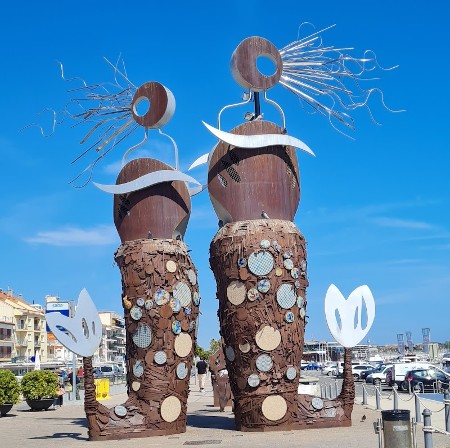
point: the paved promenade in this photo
(65, 427)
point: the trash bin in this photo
(397, 429)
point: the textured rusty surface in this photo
(241, 325)
(220, 381)
(143, 265)
(244, 64)
(348, 386)
(159, 210)
(242, 183)
(157, 96)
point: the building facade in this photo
(112, 346)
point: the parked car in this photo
(378, 377)
(330, 369)
(358, 369)
(427, 380)
(399, 370)
(312, 366)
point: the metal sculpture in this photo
(160, 295)
(258, 256)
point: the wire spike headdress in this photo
(325, 78)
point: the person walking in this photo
(202, 368)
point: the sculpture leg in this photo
(160, 298)
(260, 270)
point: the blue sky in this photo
(374, 210)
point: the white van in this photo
(397, 375)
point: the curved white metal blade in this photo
(83, 331)
(350, 311)
(258, 141)
(147, 180)
(200, 161)
(196, 190)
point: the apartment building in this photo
(22, 329)
(112, 345)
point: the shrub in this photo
(39, 384)
(9, 387)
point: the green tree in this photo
(214, 345)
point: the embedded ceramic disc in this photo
(171, 266)
(183, 345)
(175, 304)
(160, 358)
(286, 296)
(244, 348)
(196, 298)
(295, 272)
(264, 244)
(268, 338)
(140, 301)
(297, 284)
(287, 255)
(176, 327)
(289, 317)
(120, 411)
(274, 407)
(264, 363)
(148, 304)
(192, 276)
(278, 272)
(135, 385)
(182, 292)
(264, 285)
(253, 380)
(288, 264)
(302, 313)
(229, 352)
(300, 301)
(317, 403)
(161, 296)
(136, 313)
(236, 292)
(303, 265)
(170, 409)
(182, 370)
(143, 336)
(260, 263)
(138, 368)
(291, 373)
(253, 294)
(276, 246)
(242, 262)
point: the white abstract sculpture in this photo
(81, 333)
(349, 331)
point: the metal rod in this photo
(336, 387)
(395, 398)
(364, 395)
(427, 430)
(447, 411)
(417, 403)
(377, 397)
(257, 104)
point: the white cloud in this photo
(401, 223)
(72, 236)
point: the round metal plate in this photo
(135, 385)
(148, 304)
(268, 338)
(295, 272)
(300, 301)
(183, 345)
(260, 263)
(138, 368)
(302, 313)
(161, 296)
(276, 246)
(253, 294)
(278, 272)
(286, 296)
(263, 285)
(182, 370)
(196, 298)
(253, 380)
(289, 317)
(303, 265)
(287, 255)
(143, 336)
(288, 264)
(229, 352)
(160, 357)
(171, 266)
(192, 276)
(140, 301)
(236, 292)
(264, 244)
(182, 292)
(274, 407)
(120, 411)
(242, 262)
(264, 363)
(297, 284)
(170, 409)
(176, 327)
(136, 312)
(317, 403)
(291, 373)
(244, 348)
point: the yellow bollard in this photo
(102, 389)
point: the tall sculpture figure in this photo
(160, 293)
(258, 255)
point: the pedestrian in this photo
(202, 368)
(61, 391)
(75, 386)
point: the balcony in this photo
(21, 328)
(21, 342)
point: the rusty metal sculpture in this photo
(258, 255)
(160, 295)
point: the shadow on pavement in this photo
(211, 421)
(61, 435)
